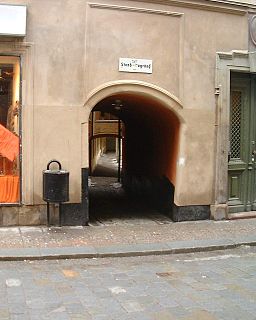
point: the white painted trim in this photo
(134, 9)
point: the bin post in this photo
(48, 214)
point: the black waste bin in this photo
(55, 186)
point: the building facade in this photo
(184, 72)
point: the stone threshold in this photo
(242, 215)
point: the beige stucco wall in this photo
(74, 47)
(53, 92)
(183, 45)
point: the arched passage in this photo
(150, 144)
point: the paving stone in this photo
(80, 316)
(137, 316)
(35, 303)
(4, 313)
(178, 312)
(132, 306)
(102, 317)
(74, 308)
(16, 308)
(154, 307)
(163, 315)
(200, 314)
(168, 302)
(21, 316)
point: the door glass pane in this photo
(235, 126)
(9, 129)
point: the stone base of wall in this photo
(72, 215)
(219, 211)
(23, 215)
(75, 214)
(190, 213)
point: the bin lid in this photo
(55, 171)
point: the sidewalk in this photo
(142, 237)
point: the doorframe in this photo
(240, 61)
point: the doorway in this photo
(242, 154)
(133, 146)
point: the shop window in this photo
(9, 129)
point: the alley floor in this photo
(110, 204)
(200, 286)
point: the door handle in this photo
(253, 155)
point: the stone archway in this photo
(161, 98)
(161, 95)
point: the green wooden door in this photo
(241, 166)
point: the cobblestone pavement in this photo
(205, 286)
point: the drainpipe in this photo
(119, 149)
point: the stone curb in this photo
(173, 247)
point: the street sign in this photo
(135, 65)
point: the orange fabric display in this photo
(9, 144)
(9, 189)
(6, 166)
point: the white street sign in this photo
(135, 65)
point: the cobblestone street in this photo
(201, 286)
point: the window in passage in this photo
(9, 129)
